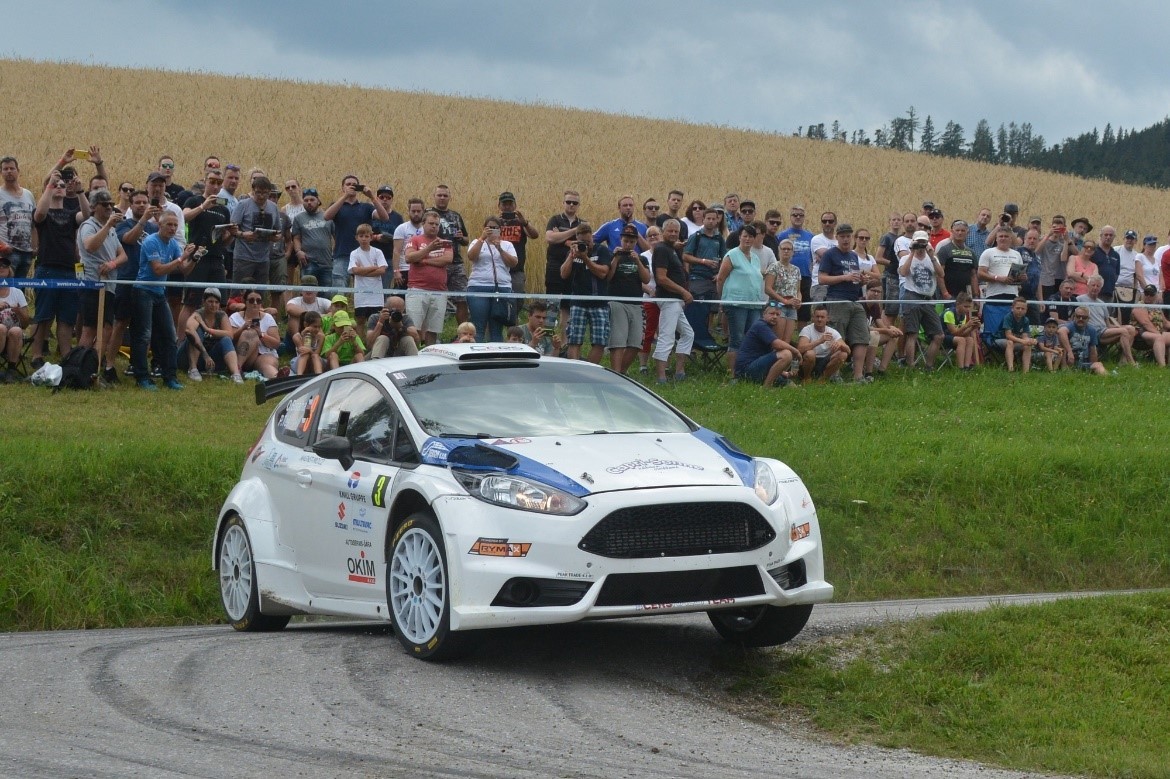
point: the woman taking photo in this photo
(492, 261)
(256, 336)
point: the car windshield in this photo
(536, 399)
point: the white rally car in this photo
(482, 485)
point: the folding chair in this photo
(707, 353)
(993, 314)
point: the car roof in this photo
(452, 355)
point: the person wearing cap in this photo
(1146, 266)
(312, 239)
(628, 273)
(1127, 287)
(209, 338)
(347, 213)
(840, 273)
(56, 224)
(516, 230)
(384, 231)
(13, 319)
(156, 190)
(256, 336)
(1011, 212)
(101, 255)
(747, 215)
(1129, 251)
(1150, 323)
(343, 346)
(204, 214)
(1080, 228)
(938, 233)
(337, 303)
(923, 275)
(17, 205)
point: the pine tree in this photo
(951, 142)
(911, 126)
(982, 145)
(927, 141)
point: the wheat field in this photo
(319, 132)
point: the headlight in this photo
(515, 492)
(766, 486)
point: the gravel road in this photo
(603, 699)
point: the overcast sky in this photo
(1063, 66)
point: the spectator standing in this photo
(782, 285)
(887, 258)
(312, 239)
(231, 180)
(979, 234)
(516, 230)
(609, 235)
(560, 229)
(1000, 265)
(17, 206)
(453, 229)
(1081, 266)
(674, 201)
(367, 266)
(56, 224)
(1108, 261)
(492, 259)
(801, 249)
(384, 231)
(1147, 267)
(628, 273)
(428, 255)
(840, 273)
(259, 227)
(585, 270)
(400, 274)
(101, 255)
(206, 217)
(670, 289)
(1054, 250)
(740, 280)
(821, 243)
(151, 324)
(693, 221)
(296, 200)
(347, 213)
(958, 261)
(922, 274)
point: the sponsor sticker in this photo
(378, 496)
(575, 575)
(339, 523)
(360, 522)
(800, 531)
(358, 542)
(651, 464)
(273, 460)
(361, 569)
(499, 547)
(510, 441)
(685, 604)
(435, 451)
(354, 479)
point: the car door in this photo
(354, 502)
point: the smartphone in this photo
(155, 202)
(81, 154)
(494, 232)
(221, 201)
(256, 322)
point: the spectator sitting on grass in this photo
(1111, 332)
(1048, 342)
(307, 301)
(763, 356)
(963, 331)
(1060, 306)
(515, 335)
(1079, 340)
(1015, 336)
(13, 319)
(822, 349)
(256, 336)
(337, 304)
(307, 342)
(536, 332)
(882, 331)
(343, 346)
(209, 338)
(1151, 325)
(390, 332)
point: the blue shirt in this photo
(346, 222)
(130, 269)
(801, 249)
(610, 233)
(757, 342)
(1109, 266)
(1081, 341)
(154, 249)
(706, 247)
(835, 262)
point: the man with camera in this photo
(586, 269)
(101, 255)
(347, 214)
(627, 273)
(390, 332)
(203, 214)
(429, 256)
(537, 334)
(258, 219)
(1054, 251)
(922, 275)
(516, 229)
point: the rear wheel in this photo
(759, 626)
(238, 590)
(418, 591)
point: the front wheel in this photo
(418, 591)
(238, 590)
(759, 626)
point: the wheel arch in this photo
(407, 502)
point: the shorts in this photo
(457, 279)
(820, 365)
(892, 292)
(426, 309)
(849, 319)
(89, 307)
(278, 271)
(250, 271)
(625, 325)
(59, 304)
(788, 312)
(123, 302)
(916, 315)
(595, 318)
(757, 369)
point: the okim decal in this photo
(378, 496)
(499, 547)
(361, 569)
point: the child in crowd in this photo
(308, 343)
(343, 346)
(1015, 335)
(962, 334)
(465, 334)
(1049, 344)
(515, 334)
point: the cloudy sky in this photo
(1063, 66)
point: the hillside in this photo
(318, 132)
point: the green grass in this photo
(1078, 686)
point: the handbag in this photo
(1124, 294)
(503, 310)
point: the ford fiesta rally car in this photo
(482, 485)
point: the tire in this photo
(418, 591)
(760, 626)
(238, 590)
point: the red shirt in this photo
(422, 276)
(937, 237)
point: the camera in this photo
(396, 316)
(358, 187)
(582, 246)
(155, 202)
(199, 253)
(67, 174)
(1005, 218)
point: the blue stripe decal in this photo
(742, 463)
(435, 451)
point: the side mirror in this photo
(335, 447)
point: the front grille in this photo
(640, 589)
(678, 530)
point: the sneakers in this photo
(147, 384)
(110, 375)
(194, 375)
(172, 384)
(237, 378)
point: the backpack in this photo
(79, 368)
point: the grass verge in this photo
(1077, 686)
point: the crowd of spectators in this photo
(783, 303)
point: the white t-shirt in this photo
(648, 256)
(865, 261)
(404, 232)
(320, 305)
(1000, 264)
(921, 279)
(1128, 258)
(481, 269)
(1151, 271)
(901, 249)
(822, 350)
(367, 290)
(14, 299)
(818, 242)
(767, 257)
(266, 324)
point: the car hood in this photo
(608, 462)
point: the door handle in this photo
(304, 478)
